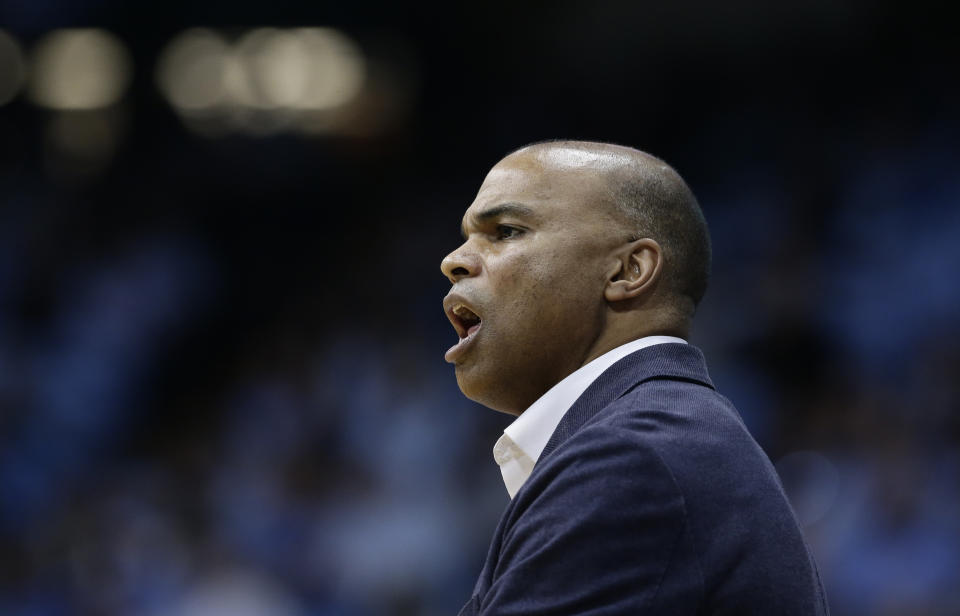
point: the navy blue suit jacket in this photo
(651, 497)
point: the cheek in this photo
(523, 288)
(551, 296)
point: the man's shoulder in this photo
(671, 417)
(681, 436)
(671, 457)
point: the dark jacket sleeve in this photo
(602, 530)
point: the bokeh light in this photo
(11, 68)
(79, 69)
(276, 66)
(261, 81)
(335, 69)
(811, 481)
(192, 70)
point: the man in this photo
(635, 487)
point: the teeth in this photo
(465, 313)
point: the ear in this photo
(636, 272)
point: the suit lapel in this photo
(668, 361)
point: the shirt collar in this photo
(517, 451)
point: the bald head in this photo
(649, 199)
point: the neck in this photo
(621, 331)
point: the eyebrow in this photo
(504, 209)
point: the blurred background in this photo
(222, 389)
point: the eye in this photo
(506, 232)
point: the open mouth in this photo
(465, 321)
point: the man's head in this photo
(570, 250)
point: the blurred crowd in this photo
(222, 390)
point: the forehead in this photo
(552, 182)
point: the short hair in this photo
(657, 203)
(660, 205)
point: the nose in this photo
(460, 263)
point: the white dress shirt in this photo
(524, 440)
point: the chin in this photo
(484, 390)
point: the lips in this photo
(466, 321)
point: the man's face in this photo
(527, 297)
